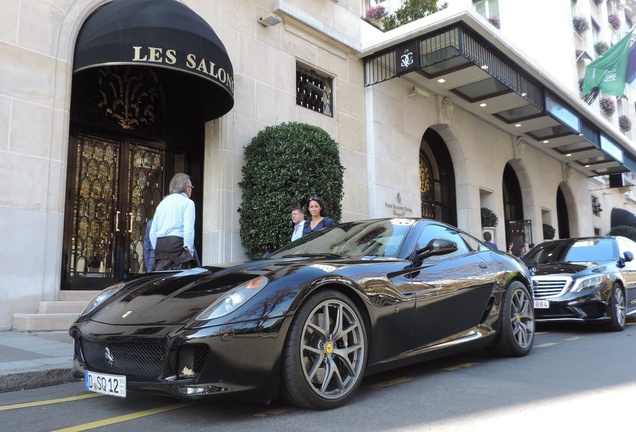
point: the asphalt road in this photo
(575, 378)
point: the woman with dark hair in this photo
(319, 216)
(518, 247)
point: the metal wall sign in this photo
(407, 58)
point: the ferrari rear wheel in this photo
(325, 352)
(617, 309)
(516, 332)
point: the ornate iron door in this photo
(114, 190)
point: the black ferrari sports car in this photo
(310, 320)
(586, 280)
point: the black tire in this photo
(324, 360)
(616, 309)
(516, 325)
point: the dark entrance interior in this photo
(131, 131)
(562, 215)
(513, 207)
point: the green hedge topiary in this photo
(548, 231)
(284, 165)
(625, 231)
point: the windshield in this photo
(381, 238)
(584, 250)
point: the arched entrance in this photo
(563, 218)
(513, 207)
(147, 76)
(437, 179)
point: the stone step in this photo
(43, 322)
(54, 314)
(77, 295)
(62, 306)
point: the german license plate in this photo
(112, 385)
(542, 304)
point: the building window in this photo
(487, 8)
(596, 206)
(314, 91)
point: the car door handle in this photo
(483, 265)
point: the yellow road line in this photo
(545, 345)
(276, 411)
(459, 366)
(49, 402)
(390, 383)
(123, 418)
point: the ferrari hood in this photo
(170, 298)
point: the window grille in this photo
(314, 91)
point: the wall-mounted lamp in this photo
(416, 90)
(270, 20)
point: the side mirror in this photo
(436, 247)
(628, 256)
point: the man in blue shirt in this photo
(487, 240)
(172, 230)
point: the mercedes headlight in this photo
(233, 299)
(588, 283)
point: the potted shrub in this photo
(625, 123)
(581, 24)
(614, 20)
(608, 106)
(548, 231)
(488, 218)
(600, 47)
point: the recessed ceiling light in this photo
(524, 94)
(569, 154)
(441, 80)
(587, 166)
(518, 125)
(482, 104)
(484, 67)
(546, 141)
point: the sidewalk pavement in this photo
(36, 359)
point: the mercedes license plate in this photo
(541, 304)
(113, 385)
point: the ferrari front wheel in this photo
(325, 352)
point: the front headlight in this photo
(588, 283)
(233, 299)
(101, 298)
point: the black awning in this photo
(164, 34)
(621, 217)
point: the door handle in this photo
(117, 213)
(130, 225)
(483, 265)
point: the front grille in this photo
(139, 360)
(546, 287)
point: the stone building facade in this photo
(410, 146)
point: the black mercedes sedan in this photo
(591, 279)
(308, 322)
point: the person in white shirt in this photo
(298, 218)
(172, 230)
